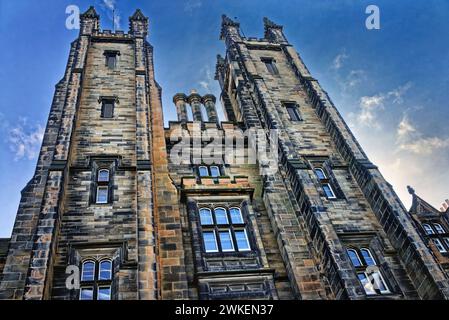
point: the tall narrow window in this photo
(105, 270)
(111, 58)
(107, 108)
(270, 64)
(439, 228)
(102, 195)
(354, 257)
(368, 272)
(428, 229)
(242, 240)
(210, 242)
(226, 241)
(206, 217)
(325, 183)
(221, 216)
(293, 111)
(88, 271)
(203, 171)
(214, 171)
(439, 245)
(236, 215)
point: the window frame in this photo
(246, 238)
(231, 228)
(104, 103)
(362, 269)
(294, 108)
(96, 283)
(215, 239)
(437, 242)
(438, 227)
(228, 231)
(270, 65)
(426, 230)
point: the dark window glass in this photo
(270, 65)
(107, 109)
(293, 111)
(111, 60)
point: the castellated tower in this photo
(116, 210)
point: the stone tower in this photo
(93, 199)
(117, 209)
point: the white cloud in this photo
(337, 63)
(24, 140)
(191, 5)
(208, 79)
(371, 105)
(111, 6)
(411, 140)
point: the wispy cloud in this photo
(207, 80)
(337, 63)
(191, 5)
(24, 139)
(410, 139)
(370, 106)
(111, 6)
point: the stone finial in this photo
(410, 190)
(273, 31)
(229, 27)
(89, 21)
(138, 24)
(268, 24)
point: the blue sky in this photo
(391, 85)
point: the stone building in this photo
(108, 200)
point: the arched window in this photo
(206, 217)
(88, 271)
(439, 228)
(354, 257)
(103, 175)
(204, 172)
(214, 171)
(428, 229)
(105, 270)
(236, 215)
(367, 256)
(320, 174)
(220, 216)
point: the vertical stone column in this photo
(209, 103)
(195, 102)
(180, 101)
